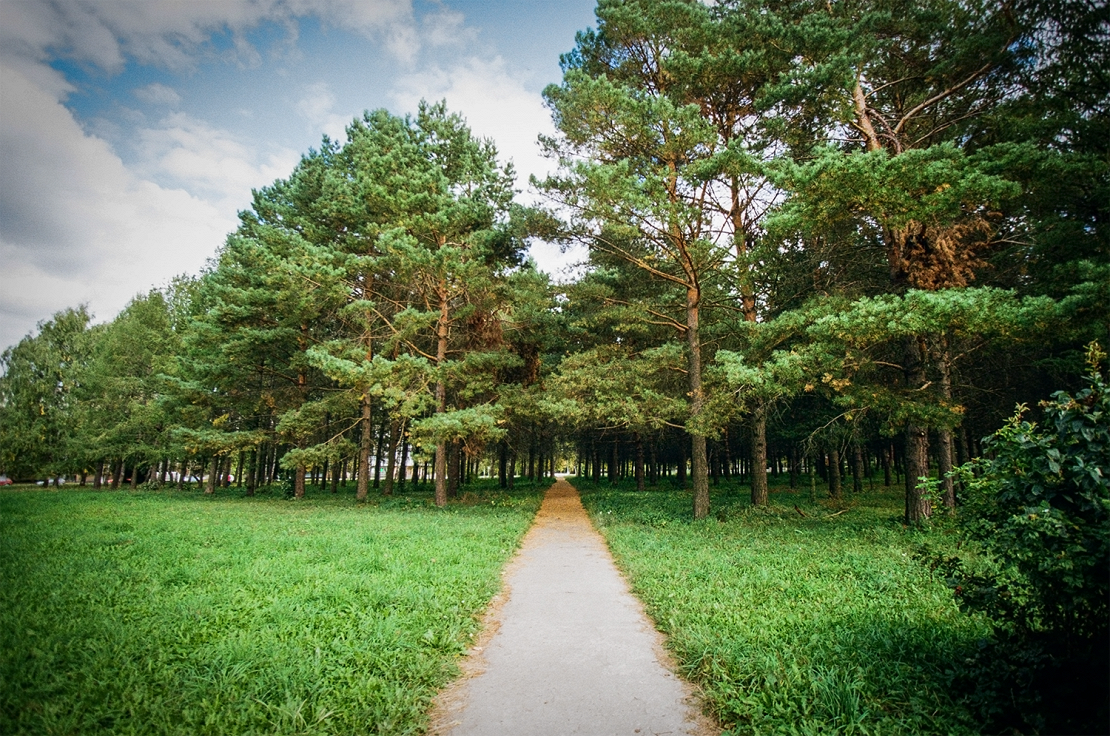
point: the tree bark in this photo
(857, 468)
(391, 459)
(404, 458)
(699, 461)
(944, 435)
(441, 396)
(639, 463)
(759, 456)
(834, 473)
(918, 507)
(363, 486)
(613, 464)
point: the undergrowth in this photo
(171, 612)
(798, 617)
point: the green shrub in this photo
(1040, 505)
(1037, 524)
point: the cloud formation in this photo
(175, 35)
(76, 226)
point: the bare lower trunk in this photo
(699, 461)
(613, 464)
(944, 465)
(404, 459)
(639, 463)
(834, 473)
(857, 468)
(298, 482)
(918, 507)
(759, 457)
(214, 468)
(944, 436)
(441, 397)
(390, 460)
(364, 450)
(454, 469)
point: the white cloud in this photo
(447, 28)
(75, 225)
(317, 107)
(186, 152)
(176, 34)
(496, 105)
(158, 94)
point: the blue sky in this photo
(131, 133)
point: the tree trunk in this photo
(454, 469)
(759, 456)
(502, 464)
(944, 436)
(98, 480)
(213, 469)
(680, 474)
(639, 463)
(857, 468)
(298, 481)
(918, 506)
(699, 462)
(364, 449)
(834, 473)
(379, 453)
(597, 463)
(391, 458)
(613, 464)
(404, 459)
(441, 396)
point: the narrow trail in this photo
(566, 648)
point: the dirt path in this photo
(566, 649)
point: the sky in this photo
(132, 132)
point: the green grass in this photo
(172, 612)
(797, 625)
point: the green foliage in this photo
(39, 389)
(163, 612)
(1039, 504)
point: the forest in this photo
(829, 246)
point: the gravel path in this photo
(568, 650)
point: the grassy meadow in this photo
(791, 624)
(168, 612)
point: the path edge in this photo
(697, 711)
(452, 698)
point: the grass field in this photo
(820, 624)
(171, 612)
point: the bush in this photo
(1040, 505)
(1037, 526)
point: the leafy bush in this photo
(1037, 520)
(1039, 504)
